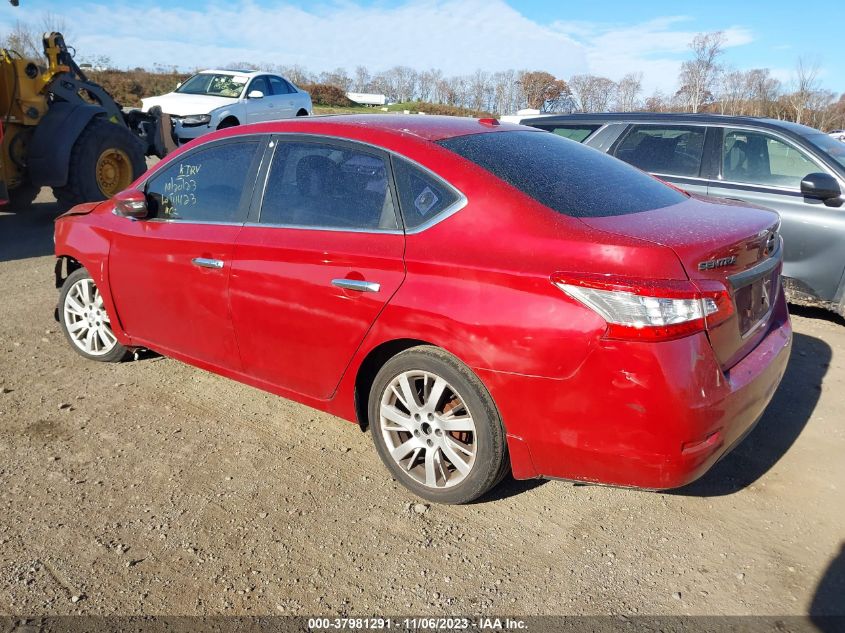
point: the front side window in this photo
(323, 185)
(569, 178)
(214, 85)
(760, 159)
(422, 196)
(206, 185)
(676, 150)
(259, 83)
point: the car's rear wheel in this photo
(85, 322)
(436, 427)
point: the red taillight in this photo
(649, 309)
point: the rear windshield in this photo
(563, 175)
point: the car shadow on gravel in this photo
(781, 424)
(827, 609)
(26, 230)
(510, 487)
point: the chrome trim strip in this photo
(342, 229)
(355, 284)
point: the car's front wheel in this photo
(436, 427)
(85, 322)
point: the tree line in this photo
(704, 83)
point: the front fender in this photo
(89, 245)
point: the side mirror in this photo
(255, 94)
(131, 204)
(819, 185)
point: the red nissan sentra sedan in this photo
(483, 297)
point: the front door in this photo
(311, 276)
(170, 272)
(263, 108)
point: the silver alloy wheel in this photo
(428, 429)
(86, 319)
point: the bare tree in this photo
(628, 92)
(698, 75)
(427, 84)
(591, 93)
(656, 103)
(338, 78)
(362, 79)
(479, 89)
(805, 83)
(297, 74)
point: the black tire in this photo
(99, 137)
(491, 462)
(115, 354)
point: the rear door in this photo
(170, 272)
(284, 98)
(674, 153)
(767, 169)
(321, 257)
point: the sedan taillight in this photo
(648, 309)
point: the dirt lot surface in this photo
(154, 487)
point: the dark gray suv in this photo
(796, 170)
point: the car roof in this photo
(677, 118)
(426, 127)
(231, 71)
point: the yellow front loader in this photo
(61, 130)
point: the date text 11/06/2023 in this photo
(415, 624)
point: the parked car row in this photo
(796, 170)
(216, 99)
(484, 297)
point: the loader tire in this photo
(105, 160)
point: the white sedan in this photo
(215, 99)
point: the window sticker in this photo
(426, 201)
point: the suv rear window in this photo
(563, 175)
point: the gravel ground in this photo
(151, 487)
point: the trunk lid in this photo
(720, 244)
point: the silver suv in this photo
(796, 170)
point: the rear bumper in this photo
(646, 415)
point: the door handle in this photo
(204, 262)
(355, 284)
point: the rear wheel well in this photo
(302, 112)
(370, 366)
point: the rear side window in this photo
(279, 86)
(322, 185)
(577, 133)
(568, 177)
(204, 186)
(675, 150)
(422, 196)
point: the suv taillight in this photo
(648, 309)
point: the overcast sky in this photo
(605, 37)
